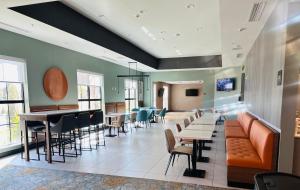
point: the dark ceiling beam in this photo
(60, 16)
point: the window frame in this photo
(130, 98)
(89, 100)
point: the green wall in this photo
(207, 76)
(40, 56)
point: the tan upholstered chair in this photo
(118, 123)
(186, 122)
(179, 150)
(182, 141)
(132, 120)
(199, 113)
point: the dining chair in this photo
(150, 116)
(186, 122)
(83, 130)
(141, 117)
(162, 115)
(199, 113)
(183, 141)
(132, 120)
(97, 126)
(178, 150)
(196, 115)
(36, 128)
(118, 123)
(191, 118)
(62, 134)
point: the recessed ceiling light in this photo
(163, 39)
(239, 55)
(199, 29)
(178, 52)
(137, 15)
(142, 11)
(178, 34)
(162, 32)
(190, 6)
(242, 29)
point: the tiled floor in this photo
(141, 154)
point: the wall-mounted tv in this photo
(226, 84)
(191, 92)
(160, 92)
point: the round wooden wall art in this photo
(55, 84)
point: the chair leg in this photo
(75, 147)
(90, 138)
(63, 150)
(80, 142)
(171, 156)
(22, 145)
(103, 134)
(189, 160)
(173, 160)
(37, 146)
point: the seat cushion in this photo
(183, 150)
(184, 141)
(232, 123)
(240, 153)
(235, 132)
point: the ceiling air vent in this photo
(257, 11)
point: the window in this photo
(11, 102)
(131, 94)
(89, 90)
(154, 94)
(166, 97)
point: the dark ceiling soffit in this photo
(60, 16)
(191, 62)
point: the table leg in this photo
(26, 143)
(123, 129)
(109, 129)
(194, 172)
(48, 144)
(200, 157)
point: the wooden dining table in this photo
(46, 117)
(198, 137)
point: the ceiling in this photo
(165, 29)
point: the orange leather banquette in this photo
(239, 128)
(248, 156)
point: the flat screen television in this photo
(191, 92)
(226, 84)
(160, 92)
